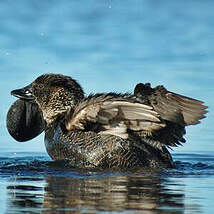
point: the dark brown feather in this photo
(115, 114)
(156, 115)
(177, 110)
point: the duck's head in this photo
(54, 94)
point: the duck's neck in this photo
(58, 107)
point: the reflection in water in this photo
(91, 194)
(25, 195)
(115, 193)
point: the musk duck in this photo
(105, 130)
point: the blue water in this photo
(108, 45)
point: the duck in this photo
(103, 130)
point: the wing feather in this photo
(177, 110)
(193, 110)
(155, 115)
(114, 115)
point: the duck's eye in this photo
(40, 86)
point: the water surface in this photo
(37, 185)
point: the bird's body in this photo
(106, 130)
(87, 149)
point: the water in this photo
(33, 184)
(108, 45)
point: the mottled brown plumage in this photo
(109, 130)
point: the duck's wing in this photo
(176, 110)
(156, 115)
(170, 106)
(24, 120)
(115, 115)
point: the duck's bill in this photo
(23, 93)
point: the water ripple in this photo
(191, 165)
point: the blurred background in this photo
(109, 45)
